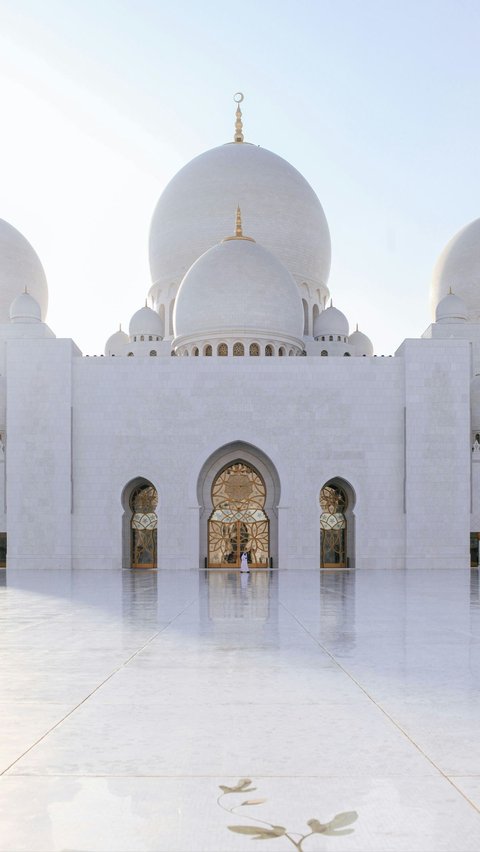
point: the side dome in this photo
(194, 212)
(361, 343)
(330, 321)
(145, 322)
(25, 308)
(458, 267)
(238, 290)
(451, 309)
(20, 268)
(116, 343)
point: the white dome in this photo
(116, 343)
(25, 308)
(361, 343)
(458, 267)
(20, 267)
(330, 321)
(238, 288)
(281, 209)
(451, 309)
(146, 322)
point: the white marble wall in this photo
(39, 395)
(315, 418)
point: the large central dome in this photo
(195, 210)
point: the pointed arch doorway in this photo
(238, 491)
(238, 522)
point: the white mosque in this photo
(274, 431)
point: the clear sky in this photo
(376, 103)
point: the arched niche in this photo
(139, 524)
(337, 524)
(223, 458)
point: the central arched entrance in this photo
(238, 489)
(238, 522)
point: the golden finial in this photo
(238, 229)
(238, 98)
(238, 223)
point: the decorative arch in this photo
(139, 527)
(242, 482)
(337, 524)
(170, 317)
(305, 316)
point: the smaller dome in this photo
(146, 321)
(116, 343)
(451, 309)
(241, 289)
(330, 321)
(25, 308)
(361, 343)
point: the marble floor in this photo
(318, 711)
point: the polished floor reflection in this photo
(128, 698)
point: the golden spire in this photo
(238, 98)
(238, 223)
(238, 229)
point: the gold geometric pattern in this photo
(238, 523)
(143, 524)
(333, 526)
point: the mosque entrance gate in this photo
(238, 522)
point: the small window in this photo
(195, 350)
(346, 354)
(222, 349)
(268, 349)
(281, 351)
(291, 352)
(238, 349)
(153, 352)
(130, 355)
(324, 352)
(254, 349)
(173, 353)
(150, 337)
(207, 350)
(331, 337)
(142, 337)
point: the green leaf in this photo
(258, 833)
(316, 826)
(241, 787)
(333, 827)
(338, 822)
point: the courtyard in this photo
(129, 699)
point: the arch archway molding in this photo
(139, 522)
(347, 509)
(221, 458)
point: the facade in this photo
(273, 431)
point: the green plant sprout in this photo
(268, 831)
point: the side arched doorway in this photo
(336, 525)
(238, 522)
(140, 501)
(238, 490)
